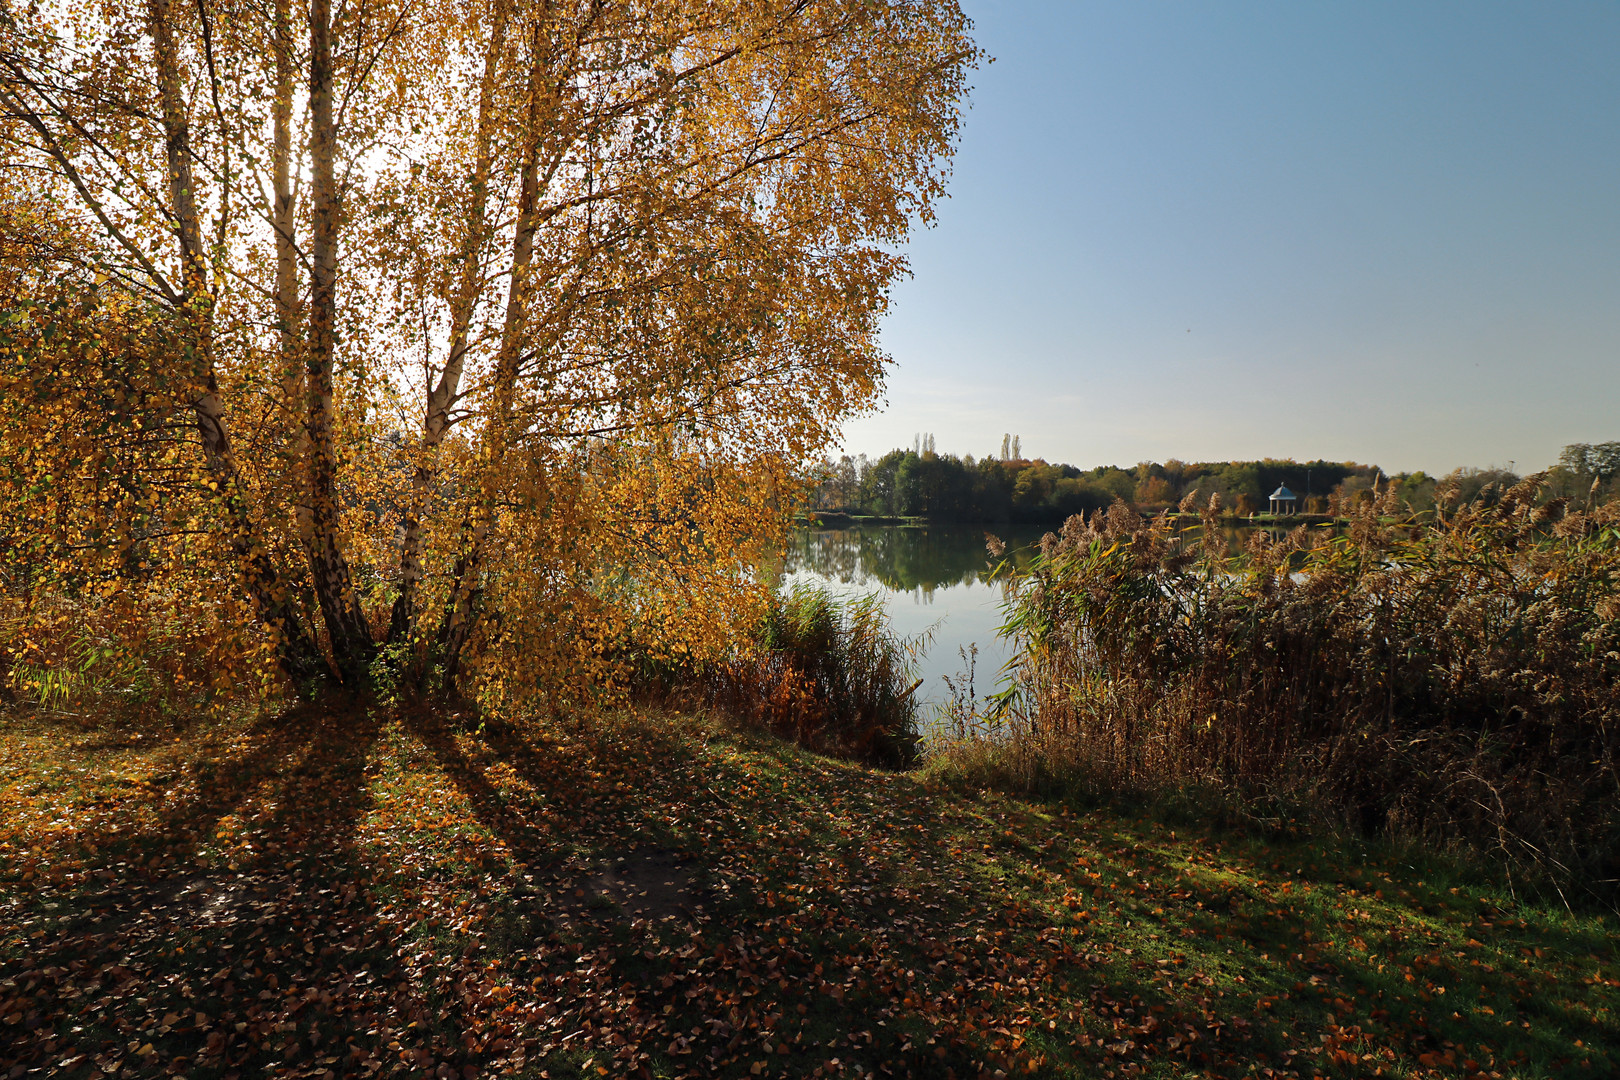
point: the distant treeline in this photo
(943, 487)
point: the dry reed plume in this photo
(1451, 679)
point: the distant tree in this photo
(1484, 486)
(1576, 458)
(877, 491)
(1415, 490)
(1587, 470)
(1153, 492)
(1075, 495)
(1350, 493)
(1117, 483)
(1604, 460)
(946, 488)
(838, 483)
(1033, 487)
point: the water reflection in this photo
(925, 558)
(908, 559)
(938, 582)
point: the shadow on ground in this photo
(335, 894)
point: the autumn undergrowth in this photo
(81, 657)
(824, 672)
(439, 894)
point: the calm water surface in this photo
(936, 583)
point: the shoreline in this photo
(838, 519)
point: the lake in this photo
(935, 581)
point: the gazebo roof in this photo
(1283, 493)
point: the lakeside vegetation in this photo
(921, 483)
(824, 674)
(1452, 681)
(1106, 880)
(1303, 879)
(1189, 841)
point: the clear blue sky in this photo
(1387, 232)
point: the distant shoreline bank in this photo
(838, 519)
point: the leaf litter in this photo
(324, 895)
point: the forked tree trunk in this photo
(461, 611)
(436, 414)
(346, 627)
(295, 650)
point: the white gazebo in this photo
(1284, 502)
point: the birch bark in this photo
(347, 630)
(296, 651)
(444, 394)
(461, 611)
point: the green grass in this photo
(365, 897)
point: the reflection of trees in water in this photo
(907, 558)
(904, 558)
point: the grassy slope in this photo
(337, 895)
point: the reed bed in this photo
(1450, 678)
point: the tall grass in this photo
(1451, 679)
(73, 656)
(829, 674)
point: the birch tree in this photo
(423, 339)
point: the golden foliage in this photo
(412, 342)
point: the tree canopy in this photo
(399, 341)
(943, 487)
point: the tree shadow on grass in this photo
(222, 922)
(836, 926)
(868, 918)
(439, 897)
